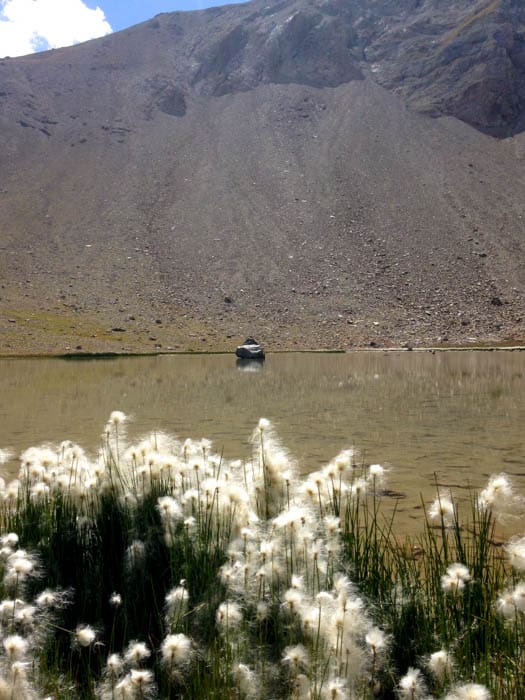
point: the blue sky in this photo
(123, 13)
(27, 26)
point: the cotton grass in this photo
(194, 576)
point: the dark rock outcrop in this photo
(455, 57)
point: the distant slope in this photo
(263, 169)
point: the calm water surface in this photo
(457, 415)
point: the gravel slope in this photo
(158, 193)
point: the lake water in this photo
(452, 416)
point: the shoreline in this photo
(87, 356)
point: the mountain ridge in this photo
(184, 182)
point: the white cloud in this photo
(27, 26)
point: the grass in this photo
(160, 570)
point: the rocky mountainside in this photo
(316, 173)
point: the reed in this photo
(158, 569)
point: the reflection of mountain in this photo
(268, 166)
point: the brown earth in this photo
(268, 169)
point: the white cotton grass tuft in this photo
(18, 685)
(262, 611)
(136, 652)
(26, 618)
(176, 650)
(377, 475)
(412, 685)
(498, 496)
(246, 680)
(516, 553)
(50, 598)
(229, 615)
(9, 540)
(15, 647)
(115, 600)
(123, 690)
(8, 608)
(336, 689)
(12, 490)
(359, 488)
(332, 525)
(441, 665)
(142, 680)
(264, 425)
(376, 641)
(443, 511)
(455, 578)
(85, 635)
(117, 418)
(114, 666)
(344, 461)
(295, 658)
(505, 605)
(293, 599)
(176, 601)
(21, 564)
(469, 691)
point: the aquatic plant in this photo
(159, 569)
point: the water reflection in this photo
(245, 365)
(458, 416)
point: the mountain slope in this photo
(263, 169)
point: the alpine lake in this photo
(449, 419)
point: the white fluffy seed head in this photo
(169, 509)
(455, 578)
(50, 599)
(115, 600)
(516, 553)
(142, 679)
(336, 690)
(376, 640)
(505, 604)
(136, 652)
(21, 563)
(245, 679)
(293, 599)
(469, 691)
(412, 685)
(498, 496)
(9, 540)
(229, 615)
(262, 611)
(441, 664)
(114, 665)
(85, 635)
(177, 600)
(15, 647)
(295, 657)
(117, 418)
(263, 425)
(176, 649)
(442, 510)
